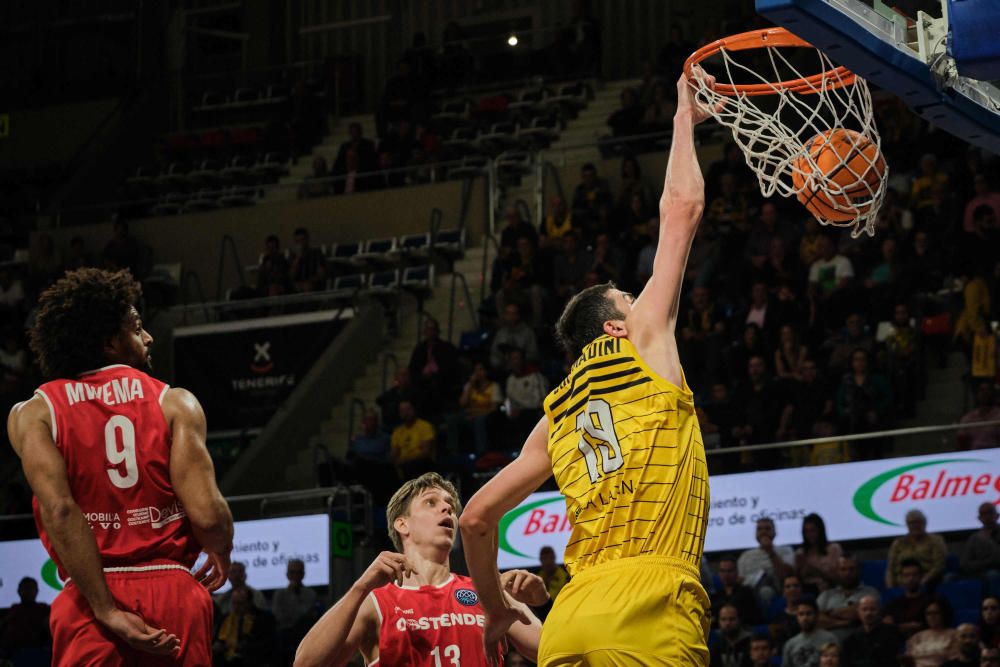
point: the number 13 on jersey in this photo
(595, 420)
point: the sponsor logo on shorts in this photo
(466, 596)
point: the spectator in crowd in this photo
(985, 196)
(570, 266)
(434, 367)
(351, 177)
(647, 253)
(817, 561)
(842, 344)
(609, 263)
(294, 607)
(727, 212)
(764, 567)
(983, 437)
(402, 99)
(627, 119)
(839, 606)
(717, 419)
(968, 647)
(743, 348)
(26, 623)
(906, 612)
(515, 228)
(734, 592)
(989, 657)
(412, 443)
(631, 186)
(790, 355)
(903, 360)
(368, 459)
(308, 267)
(273, 278)
(123, 251)
(363, 147)
(238, 581)
(519, 278)
(732, 647)
(512, 334)
(761, 651)
(810, 401)
(591, 202)
(981, 552)
(864, 398)
(558, 221)
(760, 400)
(989, 621)
(873, 643)
(783, 613)
(480, 399)
(830, 276)
(402, 389)
(553, 574)
(526, 389)
(756, 311)
(318, 183)
(702, 335)
(938, 642)
(926, 263)
(803, 650)
(769, 226)
(923, 183)
(659, 111)
(829, 655)
(928, 549)
(246, 635)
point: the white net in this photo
(815, 139)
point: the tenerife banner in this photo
(856, 500)
(242, 371)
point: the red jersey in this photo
(430, 626)
(109, 426)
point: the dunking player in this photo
(621, 437)
(122, 483)
(408, 609)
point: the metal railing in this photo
(386, 358)
(457, 276)
(228, 242)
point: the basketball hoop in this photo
(808, 136)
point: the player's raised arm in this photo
(30, 431)
(681, 205)
(192, 475)
(479, 527)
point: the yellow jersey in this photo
(627, 454)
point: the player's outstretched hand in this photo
(388, 566)
(495, 629)
(686, 98)
(214, 571)
(134, 632)
(525, 587)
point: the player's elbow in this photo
(57, 510)
(473, 522)
(685, 206)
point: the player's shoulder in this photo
(33, 408)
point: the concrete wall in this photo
(194, 240)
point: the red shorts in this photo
(168, 599)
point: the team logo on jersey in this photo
(466, 596)
(262, 358)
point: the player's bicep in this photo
(517, 480)
(363, 636)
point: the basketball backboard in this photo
(919, 58)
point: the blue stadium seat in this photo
(890, 594)
(873, 573)
(951, 563)
(963, 594)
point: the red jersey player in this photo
(408, 609)
(124, 490)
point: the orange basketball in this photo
(849, 159)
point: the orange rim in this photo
(761, 39)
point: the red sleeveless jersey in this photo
(109, 426)
(430, 626)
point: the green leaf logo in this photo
(50, 575)
(863, 496)
(512, 516)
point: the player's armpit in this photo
(192, 473)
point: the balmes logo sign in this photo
(858, 500)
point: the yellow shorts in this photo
(645, 610)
